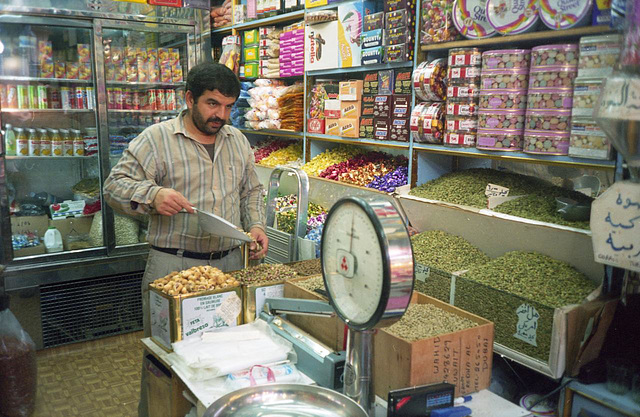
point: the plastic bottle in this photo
(53, 240)
(57, 144)
(28, 52)
(34, 142)
(9, 140)
(43, 198)
(22, 142)
(45, 143)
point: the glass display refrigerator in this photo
(77, 84)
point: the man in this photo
(194, 160)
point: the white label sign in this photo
(493, 202)
(620, 99)
(262, 293)
(207, 312)
(422, 272)
(615, 226)
(527, 324)
(159, 316)
(494, 190)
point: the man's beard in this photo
(202, 125)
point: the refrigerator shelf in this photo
(137, 84)
(53, 158)
(48, 111)
(17, 79)
(144, 111)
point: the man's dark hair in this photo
(212, 76)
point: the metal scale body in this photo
(368, 269)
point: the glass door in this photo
(48, 113)
(145, 66)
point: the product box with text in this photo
(321, 46)
(350, 16)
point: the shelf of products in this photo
(273, 20)
(363, 68)
(18, 79)
(145, 84)
(144, 111)
(48, 111)
(52, 158)
(271, 132)
(358, 141)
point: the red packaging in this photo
(54, 98)
(144, 100)
(170, 99)
(80, 102)
(127, 99)
(119, 99)
(135, 100)
(73, 103)
(152, 99)
(111, 99)
(3, 95)
(161, 100)
(315, 125)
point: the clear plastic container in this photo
(462, 124)
(588, 140)
(463, 75)
(53, 240)
(462, 107)
(464, 57)
(506, 59)
(463, 91)
(503, 99)
(543, 142)
(507, 79)
(585, 95)
(463, 139)
(598, 55)
(499, 140)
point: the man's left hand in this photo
(259, 236)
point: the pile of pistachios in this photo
(447, 252)
(422, 321)
(308, 267)
(468, 188)
(312, 284)
(264, 273)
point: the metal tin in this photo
(499, 140)
(511, 17)
(470, 18)
(506, 59)
(556, 55)
(560, 14)
(547, 143)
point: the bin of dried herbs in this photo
(444, 253)
(308, 267)
(497, 289)
(423, 321)
(467, 188)
(264, 273)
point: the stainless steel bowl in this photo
(285, 400)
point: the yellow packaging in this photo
(130, 55)
(110, 72)
(349, 128)
(45, 50)
(315, 3)
(174, 56)
(72, 70)
(143, 75)
(332, 127)
(251, 53)
(154, 73)
(84, 52)
(46, 68)
(251, 70)
(176, 74)
(152, 55)
(181, 317)
(141, 53)
(132, 72)
(59, 70)
(84, 71)
(165, 73)
(251, 37)
(121, 73)
(163, 54)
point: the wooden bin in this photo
(178, 317)
(462, 358)
(253, 296)
(330, 331)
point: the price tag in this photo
(494, 190)
(422, 272)
(527, 324)
(615, 226)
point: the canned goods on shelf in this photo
(506, 59)
(463, 75)
(588, 140)
(503, 99)
(564, 55)
(499, 140)
(427, 122)
(463, 91)
(462, 107)
(543, 142)
(461, 124)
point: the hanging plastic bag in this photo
(18, 367)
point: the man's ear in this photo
(189, 98)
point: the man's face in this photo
(211, 111)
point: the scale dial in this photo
(367, 262)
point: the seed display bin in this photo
(179, 317)
(253, 296)
(433, 282)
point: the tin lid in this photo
(469, 17)
(562, 47)
(506, 52)
(504, 71)
(501, 16)
(502, 91)
(547, 133)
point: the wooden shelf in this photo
(528, 38)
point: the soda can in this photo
(135, 100)
(80, 104)
(153, 100)
(85, 100)
(144, 100)
(170, 98)
(54, 98)
(3, 96)
(128, 99)
(161, 99)
(65, 98)
(111, 99)
(119, 102)
(43, 100)
(12, 96)
(91, 98)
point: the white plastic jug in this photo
(53, 240)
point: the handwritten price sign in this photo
(494, 190)
(527, 326)
(615, 226)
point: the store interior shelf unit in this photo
(16, 79)
(516, 156)
(137, 84)
(273, 20)
(48, 111)
(362, 68)
(51, 158)
(534, 38)
(358, 141)
(271, 132)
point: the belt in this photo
(194, 255)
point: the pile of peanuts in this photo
(194, 280)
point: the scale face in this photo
(367, 262)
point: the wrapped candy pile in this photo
(291, 104)
(391, 181)
(266, 147)
(329, 157)
(290, 156)
(265, 110)
(286, 214)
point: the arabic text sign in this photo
(494, 190)
(621, 99)
(527, 326)
(615, 226)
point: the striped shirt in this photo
(165, 156)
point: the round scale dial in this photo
(364, 258)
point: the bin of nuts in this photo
(183, 305)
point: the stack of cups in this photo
(503, 99)
(548, 122)
(598, 55)
(463, 90)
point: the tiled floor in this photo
(99, 378)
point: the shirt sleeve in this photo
(131, 185)
(251, 195)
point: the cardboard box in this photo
(372, 55)
(373, 21)
(321, 46)
(34, 250)
(73, 225)
(174, 318)
(366, 127)
(462, 358)
(372, 38)
(254, 295)
(67, 208)
(33, 224)
(401, 106)
(330, 331)
(398, 53)
(381, 128)
(368, 105)
(349, 128)
(370, 84)
(382, 106)
(251, 70)
(393, 5)
(351, 90)
(350, 109)
(403, 82)
(315, 125)
(399, 130)
(386, 80)
(350, 17)
(332, 108)
(332, 127)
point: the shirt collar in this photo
(179, 127)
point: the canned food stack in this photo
(550, 99)
(598, 55)
(427, 118)
(463, 88)
(503, 99)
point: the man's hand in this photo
(259, 236)
(169, 202)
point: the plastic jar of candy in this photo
(461, 107)
(463, 91)
(464, 124)
(465, 57)
(464, 139)
(501, 119)
(510, 79)
(506, 59)
(499, 140)
(552, 77)
(598, 55)
(428, 126)
(463, 75)
(588, 140)
(545, 142)
(429, 80)
(503, 99)
(550, 99)
(554, 120)
(585, 94)
(565, 55)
